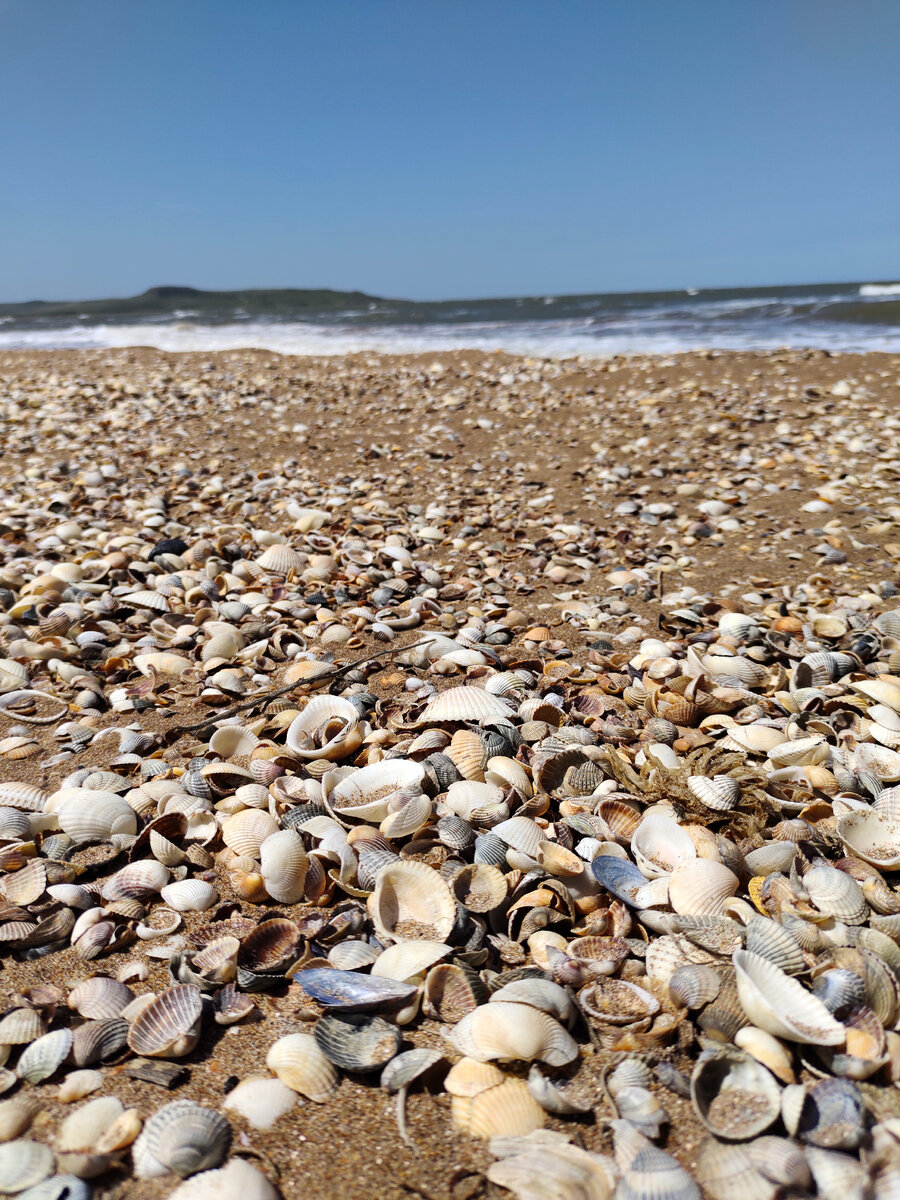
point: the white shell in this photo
(363, 795)
(873, 838)
(409, 891)
(782, 1006)
(237, 1180)
(660, 845)
(513, 1031)
(261, 1101)
(283, 864)
(91, 816)
(298, 1062)
(190, 895)
(701, 887)
(465, 704)
(327, 728)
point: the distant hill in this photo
(170, 299)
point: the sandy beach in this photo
(587, 501)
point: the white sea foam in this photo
(880, 289)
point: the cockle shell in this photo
(734, 1096)
(169, 1026)
(701, 887)
(412, 901)
(23, 1164)
(237, 1180)
(460, 704)
(297, 1061)
(781, 1006)
(190, 895)
(283, 865)
(182, 1137)
(327, 728)
(363, 795)
(245, 832)
(92, 816)
(261, 1100)
(513, 1031)
(659, 845)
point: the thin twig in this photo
(260, 701)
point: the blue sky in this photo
(446, 148)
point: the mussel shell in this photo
(352, 991)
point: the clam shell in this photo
(94, 816)
(137, 880)
(327, 728)
(297, 1061)
(23, 1164)
(694, 985)
(770, 940)
(659, 845)
(460, 704)
(43, 1057)
(480, 887)
(237, 1180)
(542, 994)
(357, 1042)
(363, 795)
(836, 894)
(452, 990)
(16, 1114)
(781, 1006)
(734, 1096)
(98, 1040)
(720, 792)
(408, 961)
(245, 832)
(283, 864)
(617, 1002)
(701, 887)
(506, 1110)
(871, 837)
(513, 1031)
(261, 1101)
(169, 1027)
(190, 895)
(411, 902)
(78, 1084)
(182, 1137)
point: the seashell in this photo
(701, 887)
(874, 838)
(542, 994)
(96, 1041)
(137, 880)
(772, 856)
(720, 792)
(261, 1100)
(23, 796)
(297, 1061)
(351, 991)
(461, 704)
(659, 845)
(408, 961)
(78, 1084)
(734, 1096)
(878, 760)
(770, 940)
(694, 985)
(767, 1050)
(26, 885)
(245, 832)
(836, 1176)
(190, 895)
(19, 1026)
(169, 1027)
(271, 946)
(181, 1137)
(357, 1042)
(545, 1171)
(652, 1172)
(490, 849)
(619, 876)
(781, 1006)
(552, 1098)
(413, 815)
(23, 1164)
(839, 989)
(327, 728)
(452, 990)
(354, 953)
(16, 1115)
(832, 1115)
(617, 1002)
(283, 865)
(479, 887)
(836, 894)
(728, 1172)
(44, 1056)
(602, 955)
(92, 816)
(505, 772)
(466, 752)
(363, 795)
(411, 902)
(506, 1110)
(513, 1031)
(237, 1180)
(755, 739)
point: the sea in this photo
(840, 317)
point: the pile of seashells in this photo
(562, 881)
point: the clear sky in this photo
(446, 148)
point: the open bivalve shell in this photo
(734, 1096)
(781, 1006)
(410, 902)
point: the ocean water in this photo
(846, 317)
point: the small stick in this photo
(267, 697)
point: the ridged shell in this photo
(410, 902)
(770, 940)
(701, 887)
(183, 1137)
(237, 1180)
(297, 1061)
(24, 1163)
(245, 832)
(781, 1006)
(169, 1027)
(513, 1031)
(480, 887)
(720, 792)
(137, 880)
(362, 795)
(506, 1110)
(694, 985)
(464, 704)
(283, 864)
(90, 816)
(357, 1042)
(44, 1056)
(836, 894)
(408, 961)
(327, 728)
(96, 1041)
(190, 895)
(659, 845)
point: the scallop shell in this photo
(92, 816)
(44, 1056)
(734, 1096)
(701, 887)
(283, 865)
(182, 1137)
(410, 902)
(24, 1163)
(460, 704)
(357, 1042)
(190, 895)
(327, 728)
(169, 1027)
(261, 1101)
(513, 1031)
(781, 1006)
(297, 1061)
